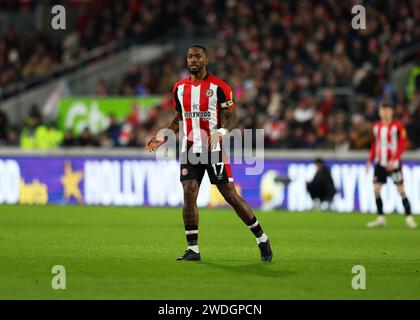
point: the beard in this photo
(195, 71)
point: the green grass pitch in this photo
(129, 253)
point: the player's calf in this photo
(409, 220)
(244, 211)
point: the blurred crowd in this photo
(93, 23)
(283, 59)
(132, 131)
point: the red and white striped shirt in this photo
(388, 143)
(200, 103)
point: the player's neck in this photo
(199, 76)
(387, 121)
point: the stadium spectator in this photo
(37, 135)
(364, 81)
(134, 118)
(12, 137)
(104, 141)
(360, 133)
(101, 89)
(86, 138)
(4, 124)
(28, 134)
(114, 130)
(68, 139)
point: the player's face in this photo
(196, 60)
(385, 113)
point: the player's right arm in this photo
(372, 151)
(161, 137)
(173, 125)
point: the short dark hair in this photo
(200, 47)
(387, 104)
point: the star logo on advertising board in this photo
(70, 182)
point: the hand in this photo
(390, 166)
(214, 140)
(154, 143)
(368, 164)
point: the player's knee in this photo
(402, 193)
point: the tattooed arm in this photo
(228, 123)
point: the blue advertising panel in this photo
(133, 181)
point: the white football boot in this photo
(410, 222)
(379, 222)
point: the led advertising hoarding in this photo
(147, 182)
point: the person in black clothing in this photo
(86, 139)
(3, 127)
(114, 130)
(68, 139)
(321, 188)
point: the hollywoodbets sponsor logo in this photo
(197, 114)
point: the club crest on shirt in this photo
(184, 171)
(209, 93)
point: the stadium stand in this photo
(285, 60)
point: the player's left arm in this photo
(402, 139)
(229, 117)
(402, 142)
(229, 121)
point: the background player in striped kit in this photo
(204, 104)
(388, 144)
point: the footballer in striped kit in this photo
(388, 144)
(204, 107)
